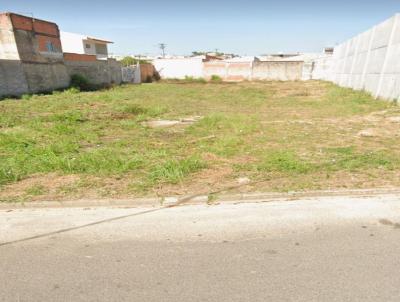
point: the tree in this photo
(129, 61)
(198, 53)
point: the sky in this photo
(244, 27)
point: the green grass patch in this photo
(290, 133)
(174, 171)
(284, 162)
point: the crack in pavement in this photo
(178, 203)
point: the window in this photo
(101, 49)
(88, 46)
(50, 47)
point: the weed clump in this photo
(216, 78)
(80, 82)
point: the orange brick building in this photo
(29, 39)
(32, 59)
(31, 56)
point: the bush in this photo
(129, 61)
(80, 82)
(216, 78)
(149, 79)
(72, 90)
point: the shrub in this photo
(80, 82)
(216, 78)
(72, 90)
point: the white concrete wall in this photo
(8, 44)
(369, 61)
(179, 68)
(91, 50)
(73, 43)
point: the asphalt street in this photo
(317, 249)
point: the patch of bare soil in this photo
(203, 182)
(219, 177)
(54, 187)
(47, 186)
(187, 121)
(294, 89)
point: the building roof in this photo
(99, 40)
(29, 17)
(84, 37)
(245, 59)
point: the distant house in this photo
(81, 44)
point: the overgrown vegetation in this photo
(130, 61)
(216, 78)
(80, 82)
(284, 135)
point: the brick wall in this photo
(36, 40)
(44, 40)
(74, 57)
(38, 26)
(147, 71)
(45, 27)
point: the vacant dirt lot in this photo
(282, 136)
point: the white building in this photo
(81, 44)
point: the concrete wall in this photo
(217, 68)
(257, 70)
(45, 77)
(229, 71)
(8, 45)
(17, 78)
(369, 61)
(98, 72)
(12, 78)
(179, 68)
(276, 70)
(238, 71)
(321, 68)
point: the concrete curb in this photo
(197, 199)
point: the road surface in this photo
(317, 249)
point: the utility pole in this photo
(163, 46)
